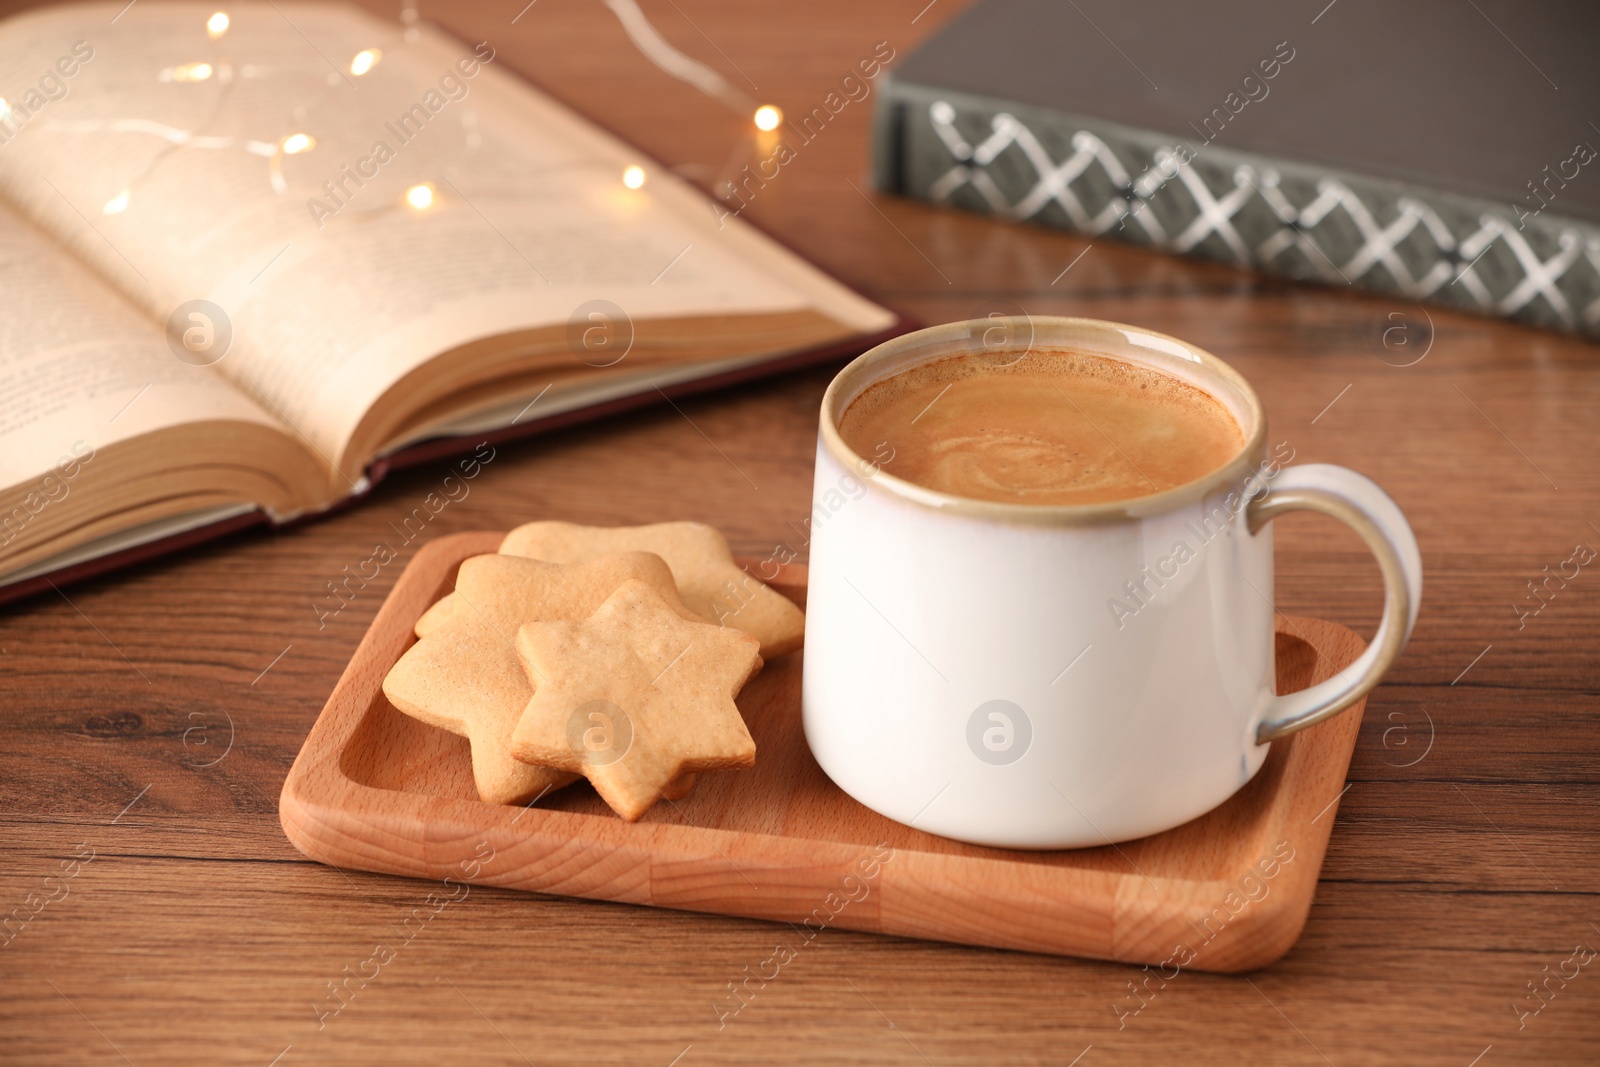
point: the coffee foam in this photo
(1046, 363)
(1055, 427)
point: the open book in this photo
(250, 257)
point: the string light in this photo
(296, 143)
(633, 177)
(420, 196)
(188, 72)
(117, 204)
(217, 25)
(768, 117)
(648, 40)
(364, 61)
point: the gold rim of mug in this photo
(943, 342)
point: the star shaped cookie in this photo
(464, 675)
(712, 585)
(634, 696)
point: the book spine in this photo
(1192, 196)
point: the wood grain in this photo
(375, 790)
(199, 935)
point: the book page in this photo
(356, 198)
(81, 369)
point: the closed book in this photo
(1438, 152)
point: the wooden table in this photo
(1464, 864)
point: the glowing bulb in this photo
(217, 24)
(5, 108)
(633, 177)
(768, 117)
(296, 143)
(191, 72)
(117, 204)
(364, 61)
(420, 196)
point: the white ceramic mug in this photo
(968, 670)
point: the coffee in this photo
(1051, 428)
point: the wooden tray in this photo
(375, 790)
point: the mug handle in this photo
(1355, 500)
